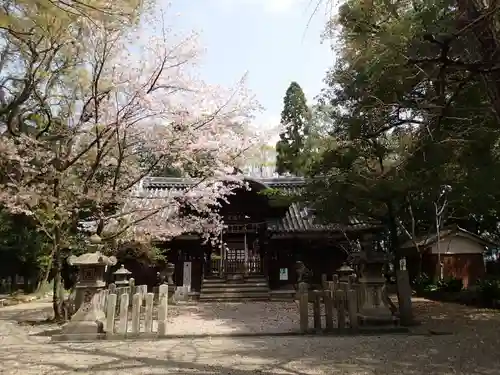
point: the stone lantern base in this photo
(88, 323)
(375, 310)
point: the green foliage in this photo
(423, 283)
(489, 291)
(451, 285)
(145, 253)
(295, 119)
(23, 250)
(401, 129)
(279, 197)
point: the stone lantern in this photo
(375, 307)
(344, 272)
(89, 318)
(122, 276)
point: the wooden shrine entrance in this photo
(241, 249)
(239, 256)
(236, 256)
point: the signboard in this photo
(283, 274)
(186, 276)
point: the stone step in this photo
(234, 285)
(234, 296)
(259, 279)
(230, 289)
(235, 299)
(252, 288)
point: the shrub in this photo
(423, 283)
(451, 285)
(488, 291)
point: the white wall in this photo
(457, 245)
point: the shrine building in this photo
(264, 239)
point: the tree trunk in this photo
(402, 279)
(13, 283)
(43, 282)
(57, 300)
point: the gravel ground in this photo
(470, 349)
(226, 318)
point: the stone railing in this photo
(132, 314)
(339, 304)
(128, 312)
(124, 312)
(346, 305)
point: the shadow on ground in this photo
(297, 356)
(436, 315)
(236, 318)
(468, 351)
(273, 317)
(34, 312)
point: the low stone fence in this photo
(141, 313)
(119, 312)
(340, 308)
(344, 305)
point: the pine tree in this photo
(295, 120)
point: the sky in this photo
(275, 41)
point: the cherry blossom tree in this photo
(86, 123)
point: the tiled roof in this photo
(425, 241)
(299, 219)
(180, 182)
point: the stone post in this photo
(303, 295)
(328, 298)
(323, 281)
(89, 320)
(131, 286)
(340, 302)
(316, 295)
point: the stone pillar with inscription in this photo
(89, 320)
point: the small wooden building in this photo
(263, 238)
(460, 252)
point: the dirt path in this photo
(455, 318)
(469, 351)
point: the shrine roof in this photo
(299, 219)
(181, 182)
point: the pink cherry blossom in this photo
(131, 103)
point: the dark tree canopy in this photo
(295, 119)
